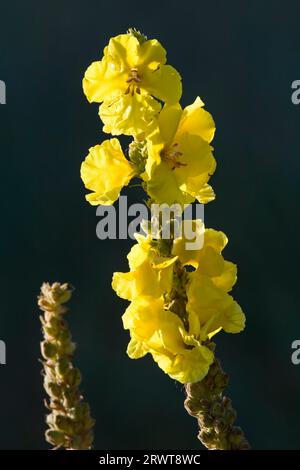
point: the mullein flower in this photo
(128, 81)
(179, 291)
(161, 333)
(168, 302)
(149, 275)
(105, 171)
(208, 286)
(180, 160)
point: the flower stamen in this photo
(133, 80)
(171, 157)
(134, 76)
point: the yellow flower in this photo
(129, 80)
(149, 275)
(214, 308)
(208, 286)
(174, 311)
(105, 171)
(180, 160)
(188, 365)
(160, 332)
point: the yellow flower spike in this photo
(180, 160)
(129, 80)
(174, 311)
(171, 316)
(105, 171)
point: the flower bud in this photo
(48, 349)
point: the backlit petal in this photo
(130, 114)
(105, 171)
(195, 120)
(164, 84)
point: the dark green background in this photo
(241, 58)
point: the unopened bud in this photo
(48, 349)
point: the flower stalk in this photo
(180, 296)
(205, 399)
(69, 420)
(214, 412)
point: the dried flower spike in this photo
(69, 421)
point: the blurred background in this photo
(240, 58)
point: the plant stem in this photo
(214, 412)
(70, 424)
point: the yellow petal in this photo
(103, 199)
(163, 135)
(192, 231)
(190, 366)
(195, 120)
(215, 239)
(151, 56)
(136, 256)
(101, 82)
(206, 194)
(211, 263)
(136, 349)
(204, 298)
(143, 281)
(233, 319)
(123, 52)
(215, 308)
(228, 277)
(198, 164)
(105, 171)
(163, 186)
(155, 146)
(130, 114)
(168, 122)
(124, 285)
(143, 317)
(164, 84)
